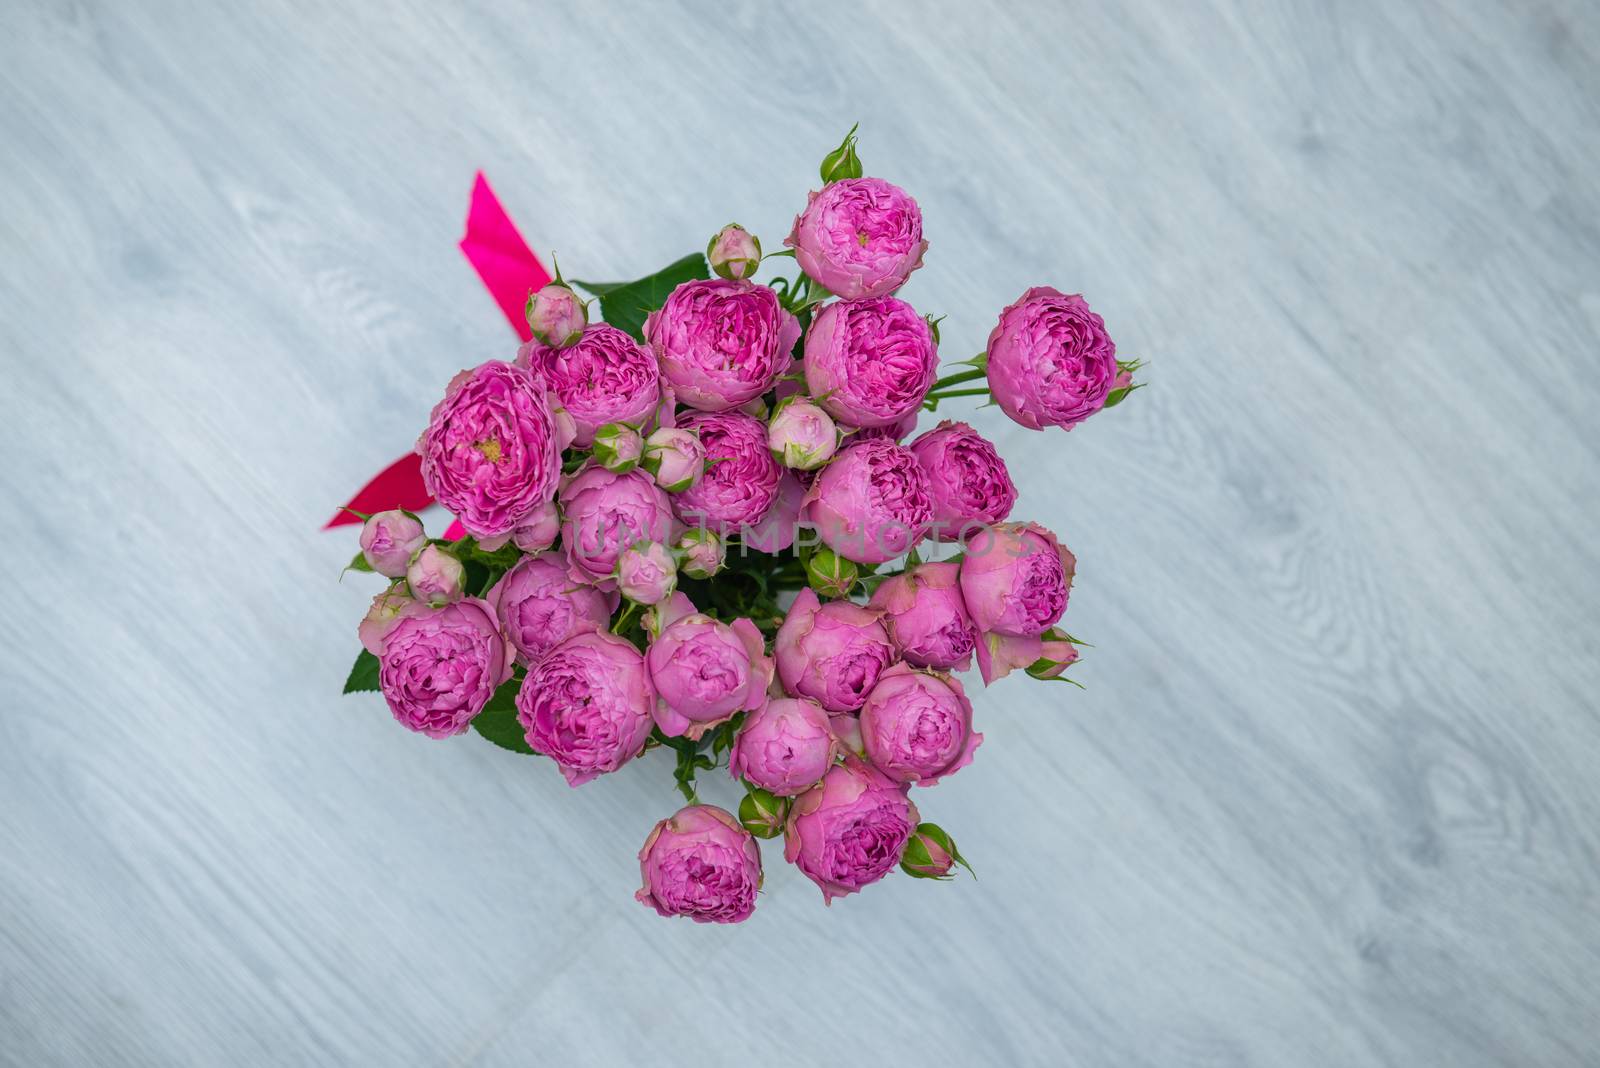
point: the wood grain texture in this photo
(1330, 796)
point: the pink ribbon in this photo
(510, 271)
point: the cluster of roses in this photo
(603, 476)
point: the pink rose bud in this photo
(970, 485)
(831, 574)
(539, 530)
(556, 315)
(917, 726)
(701, 553)
(871, 362)
(762, 814)
(700, 864)
(389, 539)
(1050, 360)
(606, 377)
(849, 830)
(741, 481)
(492, 450)
(675, 457)
(603, 513)
(734, 252)
(437, 668)
(927, 616)
(802, 435)
(647, 573)
(539, 606)
(1015, 579)
(618, 447)
(586, 705)
(721, 342)
(859, 237)
(931, 853)
(382, 617)
(785, 746)
(1057, 652)
(435, 577)
(832, 653)
(703, 670)
(872, 503)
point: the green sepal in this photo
(842, 162)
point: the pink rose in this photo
(606, 377)
(704, 670)
(1044, 656)
(832, 653)
(734, 252)
(785, 746)
(927, 617)
(539, 606)
(850, 829)
(539, 529)
(802, 435)
(388, 539)
(647, 572)
(917, 726)
(970, 484)
(675, 457)
(701, 553)
(777, 529)
(700, 864)
(870, 362)
(586, 705)
(618, 447)
(859, 237)
(603, 513)
(382, 617)
(721, 342)
(1015, 579)
(1051, 362)
(491, 453)
(439, 667)
(896, 432)
(872, 503)
(556, 316)
(741, 479)
(435, 577)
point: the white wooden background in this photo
(1331, 795)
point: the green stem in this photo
(957, 393)
(955, 379)
(627, 615)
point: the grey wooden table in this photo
(1330, 796)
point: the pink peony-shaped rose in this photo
(926, 616)
(438, 667)
(1051, 362)
(850, 829)
(896, 432)
(388, 539)
(832, 653)
(917, 726)
(700, 864)
(1015, 579)
(969, 481)
(721, 342)
(741, 479)
(604, 512)
(785, 746)
(539, 605)
(605, 377)
(872, 503)
(492, 450)
(647, 572)
(859, 237)
(870, 363)
(586, 705)
(704, 670)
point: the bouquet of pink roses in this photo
(695, 526)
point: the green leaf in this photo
(498, 720)
(363, 674)
(359, 563)
(626, 304)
